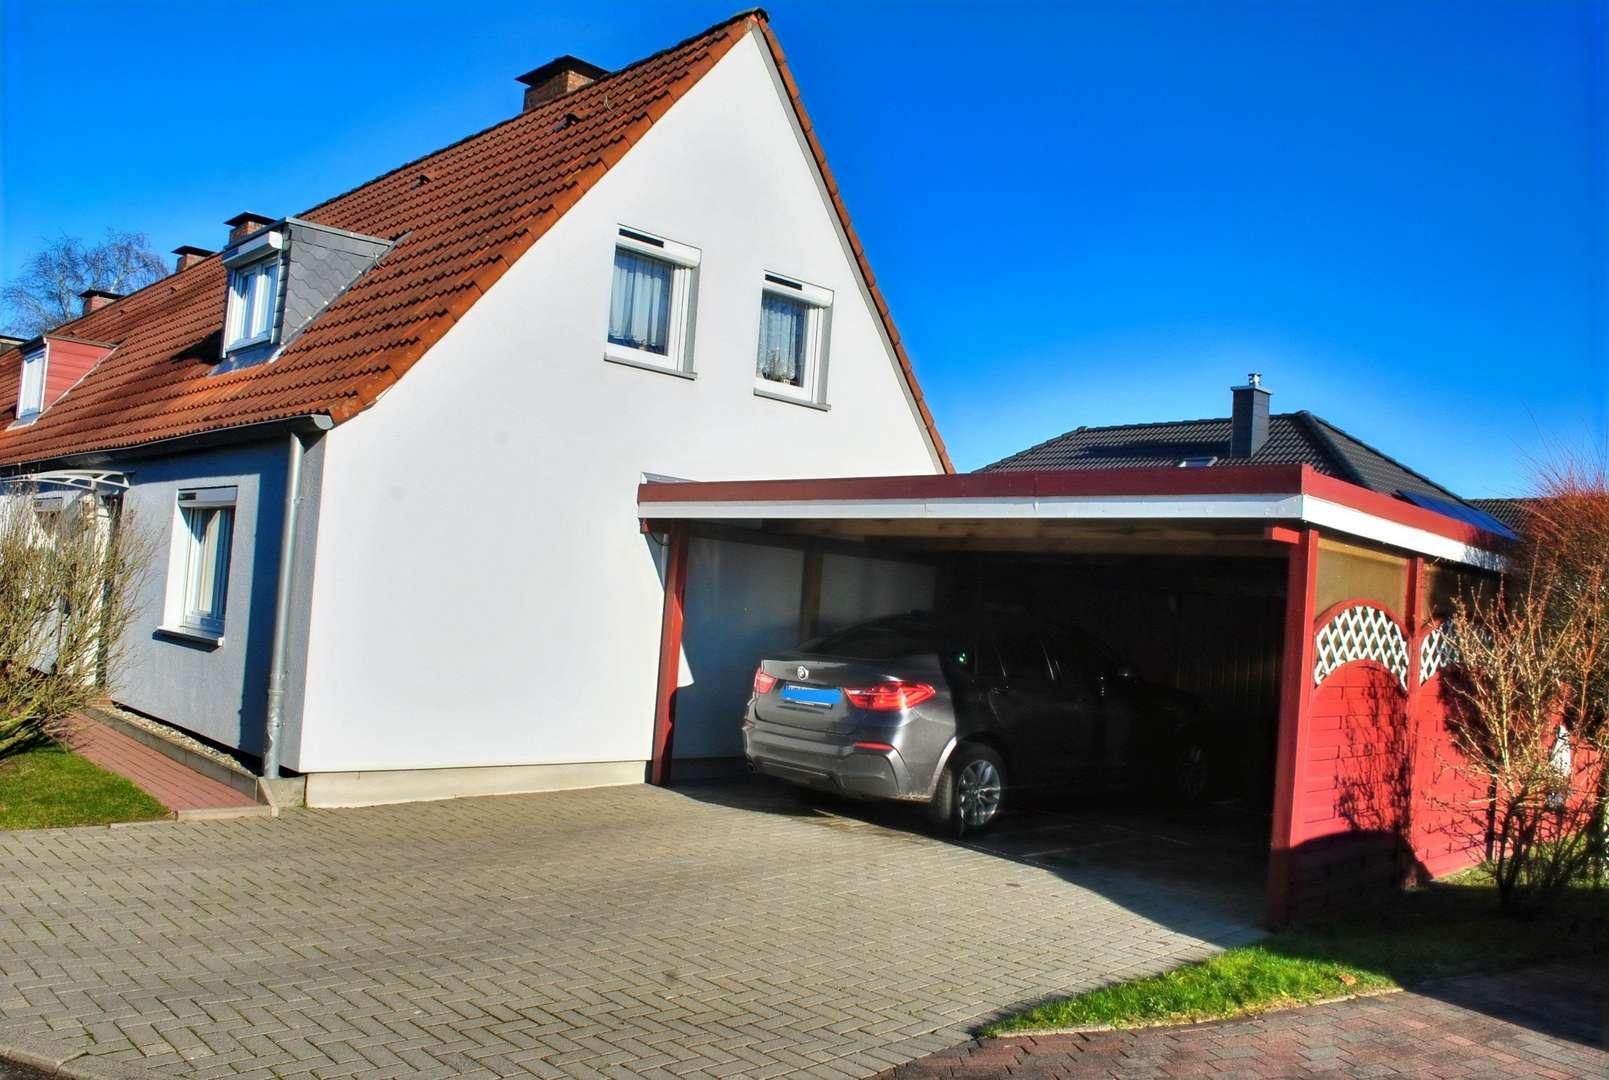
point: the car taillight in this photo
(891, 696)
(763, 682)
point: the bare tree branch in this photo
(45, 294)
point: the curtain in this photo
(208, 571)
(782, 337)
(639, 307)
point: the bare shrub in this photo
(70, 566)
(1529, 697)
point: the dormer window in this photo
(253, 294)
(281, 275)
(31, 399)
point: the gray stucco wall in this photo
(216, 691)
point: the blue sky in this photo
(1081, 213)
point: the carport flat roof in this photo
(1259, 496)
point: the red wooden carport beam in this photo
(1295, 722)
(670, 653)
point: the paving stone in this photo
(614, 930)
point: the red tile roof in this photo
(460, 217)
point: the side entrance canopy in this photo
(1361, 740)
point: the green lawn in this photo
(49, 787)
(1447, 928)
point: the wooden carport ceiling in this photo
(1040, 535)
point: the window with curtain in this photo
(640, 303)
(790, 360)
(206, 565)
(783, 326)
(651, 302)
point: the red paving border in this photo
(175, 786)
(1544, 1022)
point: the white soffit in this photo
(1321, 513)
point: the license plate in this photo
(809, 695)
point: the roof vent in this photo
(188, 257)
(1248, 422)
(556, 78)
(95, 299)
(242, 225)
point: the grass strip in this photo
(1449, 927)
(51, 787)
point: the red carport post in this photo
(1295, 727)
(670, 653)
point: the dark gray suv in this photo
(955, 711)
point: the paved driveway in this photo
(713, 931)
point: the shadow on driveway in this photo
(1200, 871)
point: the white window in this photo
(791, 361)
(199, 572)
(651, 303)
(253, 296)
(31, 398)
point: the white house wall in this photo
(483, 595)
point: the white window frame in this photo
(263, 303)
(185, 616)
(48, 510)
(684, 260)
(813, 386)
(31, 384)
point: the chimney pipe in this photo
(556, 78)
(243, 225)
(188, 257)
(1248, 422)
(95, 299)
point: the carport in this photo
(1301, 603)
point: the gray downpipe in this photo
(274, 719)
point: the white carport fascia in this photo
(1286, 508)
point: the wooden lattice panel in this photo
(1361, 632)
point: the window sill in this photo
(616, 354)
(247, 343)
(772, 395)
(191, 633)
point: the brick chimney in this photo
(556, 78)
(1248, 422)
(242, 225)
(95, 299)
(188, 257)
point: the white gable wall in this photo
(483, 595)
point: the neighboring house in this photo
(645, 273)
(1511, 512)
(1251, 435)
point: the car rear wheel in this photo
(971, 790)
